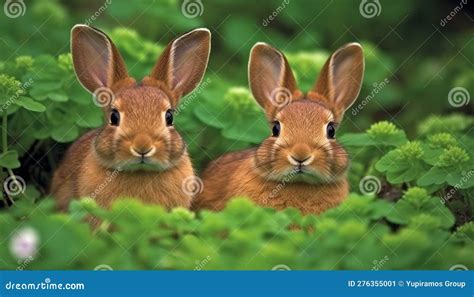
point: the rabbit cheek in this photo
(264, 160)
(162, 154)
(339, 161)
(176, 146)
(104, 146)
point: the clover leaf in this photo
(383, 134)
(30, 104)
(403, 164)
(416, 201)
(9, 159)
(454, 167)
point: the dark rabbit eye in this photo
(169, 117)
(276, 129)
(114, 117)
(331, 130)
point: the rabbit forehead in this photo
(304, 121)
(304, 115)
(142, 102)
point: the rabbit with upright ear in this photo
(300, 165)
(138, 152)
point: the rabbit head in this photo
(302, 147)
(138, 133)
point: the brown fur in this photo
(103, 164)
(240, 181)
(266, 174)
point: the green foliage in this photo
(243, 236)
(9, 159)
(381, 134)
(416, 202)
(402, 130)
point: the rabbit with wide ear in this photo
(138, 152)
(300, 164)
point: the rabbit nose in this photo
(300, 160)
(300, 154)
(143, 152)
(142, 146)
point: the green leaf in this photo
(30, 104)
(402, 166)
(250, 128)
(90, 118)
(9, 159)
(65, 133)
(356, 139)
(409, 207)
(210, 114)
(395, 139)
(40, 90)
(59, 96)
(388, 136)
(435, 175)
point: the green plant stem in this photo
(4, 132)
(5, 147)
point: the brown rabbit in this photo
(137, 153)
(300, 165)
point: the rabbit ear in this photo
(341, 78)
(96, 60)
(271, 79)
(183, 62)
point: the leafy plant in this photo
(403, 131)
(243, 236)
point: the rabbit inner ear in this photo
(270, 77)
(183, 62)
(97, 62)
(341, 78)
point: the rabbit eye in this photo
(169, 117)
(114, 117)
(331, 130)
(276, 129)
